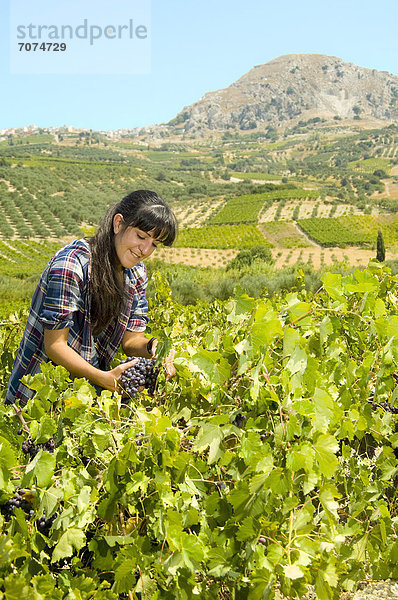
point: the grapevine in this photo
(268, 463)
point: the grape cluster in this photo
(263, 542)
(85, 460)
(388, 407)
(60, 565)
(28, 447)
(44, 524)
(239, 420)
(17, 501)
(142, 374)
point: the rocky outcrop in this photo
(291, 88)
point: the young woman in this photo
(91, 298)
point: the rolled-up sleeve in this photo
(63, 294)
(138, 317)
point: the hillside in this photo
(318, 194)
(291, 88)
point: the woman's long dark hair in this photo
(143, 209)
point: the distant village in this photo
(63, 130)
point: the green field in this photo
(245, 209)
(371, 164)
(52, 190)
(31, 139)
(283, 234)
(353, 230)
(242, 209)
(23, 259)
(219, 236)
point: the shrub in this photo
(246, 257)
(187, 291)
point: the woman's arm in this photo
(134, 343)
(57, 350)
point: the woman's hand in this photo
(168, 361)
(57, 350)
(168, 364)
(116, 373)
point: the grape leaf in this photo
(73, 539)
(41, 469)
(325, 448)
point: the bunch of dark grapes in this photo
(28, 447)
(17, 501)
(239, 420)
(387, 407)
(263, 542)
(44, 524)
(85, 460)
(60, 565)
(142, 374)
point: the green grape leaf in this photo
(297, 363)
(73, 539)
(41, 469)
(325, 448)
(333, 285)
(47, 428)
(210, 436)
(211, 364)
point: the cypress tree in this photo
(381, 251)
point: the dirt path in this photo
(304, 235)
(391, 189)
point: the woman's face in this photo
(131, 244)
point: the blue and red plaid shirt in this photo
(61, 300)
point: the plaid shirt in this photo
(62, 299)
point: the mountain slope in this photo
(291, 88)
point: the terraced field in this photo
(306, 209)
(296, 195)
(222, 237)
(246, 209)
(351, 230)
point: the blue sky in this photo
(195, 47)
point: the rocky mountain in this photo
(291, 88)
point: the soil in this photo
(195, 256)
(284, 257)
(319, 257)
(305, 210)
(367, 590)
(195, 215)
